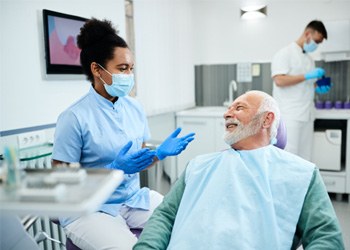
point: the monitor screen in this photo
(62, 54)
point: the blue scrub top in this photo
(93, 130)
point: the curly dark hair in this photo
(97, 41)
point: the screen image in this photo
(62, 53)
(63, 40)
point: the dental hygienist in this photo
(106, 128)
(294, 75)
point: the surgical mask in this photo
(121, 85)
(310, 47)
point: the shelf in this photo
(36, 152)
(331, 114)
(333, 173)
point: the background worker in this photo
(294, 76)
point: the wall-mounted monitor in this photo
(62, 54)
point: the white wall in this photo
(27, 98)
(164, 54)
(171, 37)
(1, 71)
(222, 37)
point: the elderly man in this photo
(252, 196)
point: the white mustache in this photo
(234, 121)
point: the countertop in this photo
(332, 113)
(209, 111)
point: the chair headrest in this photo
(281, 135)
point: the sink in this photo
(227, 104)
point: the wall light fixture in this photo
(253, 9)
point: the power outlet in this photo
(31, 139)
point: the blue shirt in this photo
(93, 130)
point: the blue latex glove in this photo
(315, 73)
(132, 163)
(173, 145)
(322, 89)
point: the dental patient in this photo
(251, 196)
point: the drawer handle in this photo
(195, 123)
(330, 183)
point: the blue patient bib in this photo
(241, 200)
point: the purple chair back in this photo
(281, 135)
(136, 231)
(70, 245)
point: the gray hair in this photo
(269, 104)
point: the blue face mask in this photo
(121, 85)
(310, 47)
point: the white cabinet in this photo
(326, 153)
(337, 46)
(203, 142)
(335, 182)
(208, 124)
(220, 130)
(338, 181)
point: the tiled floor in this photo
(342, 209)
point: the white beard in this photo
(243, 131)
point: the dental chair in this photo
(70, 245)
(281, 143)
(281, 135)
